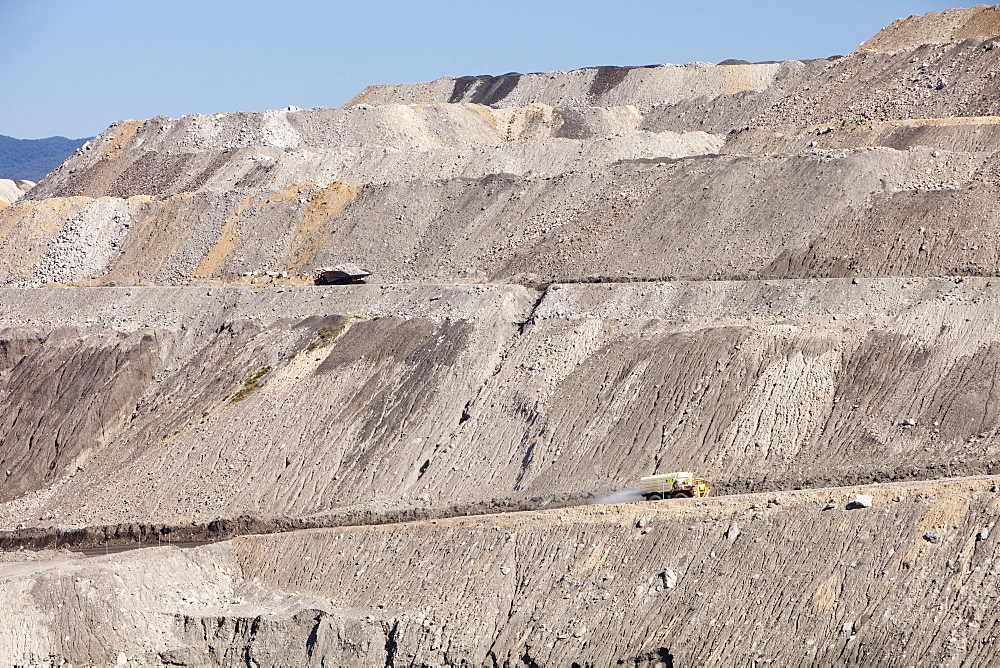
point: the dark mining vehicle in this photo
(342, 274)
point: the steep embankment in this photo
(695, 96)
(312, 401)
(980, 22)
(573, 286)
(538, 194)
(797, 578)
(821, 214)
(926, 80)
(271, 150)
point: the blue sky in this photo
(75, 66)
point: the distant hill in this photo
(32, 159)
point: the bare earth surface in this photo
(783, 276)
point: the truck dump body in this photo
(342, 274)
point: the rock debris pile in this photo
(11, 190)
(783, 276)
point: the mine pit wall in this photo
(577, 291)
(643, 87)
(928, 81)
(821, 214)
(268, 169)
(421, 126)
(954, 25)
(311, 402)
(219, 353)
(794, 578)
(946, 73)
(976, 134)
(165, 157)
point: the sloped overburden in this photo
(780, 275)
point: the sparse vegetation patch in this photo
(252, 383)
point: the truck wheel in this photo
(679, 495)
(655, 497)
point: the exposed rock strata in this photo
(272, 150)
(695, 96)
(320, 400)
(697, 583)
(955, 25)
(779, 275)
(815, 214)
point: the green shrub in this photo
(252, 383)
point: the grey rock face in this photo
(758, 273)
(604, 584)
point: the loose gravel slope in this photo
(783, 276)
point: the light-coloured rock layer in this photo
(778, 275)
(11, 190)
(643, 87)
(789, 578)
(272, 150)
(817, 214)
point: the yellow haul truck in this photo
(678, 485)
